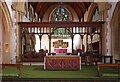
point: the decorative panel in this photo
(62, 63)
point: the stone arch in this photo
(115, 32)
(47, 15)
(6, 33)
(91, 11)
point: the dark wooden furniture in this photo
(117, 61)
(18, 66)
(34, 56)
(89, 58)
(100, 66)
(106, 58)
(51, 53)
(62, 63)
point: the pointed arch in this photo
(115, 32)
(91, 11)
(6, 27)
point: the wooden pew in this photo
(18, 66)
(117, 61)
(100, 66)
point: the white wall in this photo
(77, 42)
(112, 9)
(24, 19)
(45, 42)
(69, 48)
(37, 45)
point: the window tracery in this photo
(58, 15)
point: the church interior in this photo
(57, 41)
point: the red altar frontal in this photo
(60, 50)
(62, 63)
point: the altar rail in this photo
(101, 66)
(18, 66)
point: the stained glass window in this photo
(60, 14)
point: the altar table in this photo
(60, 50)
(62, 63)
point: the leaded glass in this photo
(60, 14)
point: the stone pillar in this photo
(15, 36)
(13, 46)
(1, 42)
(108, 34)
(104, 11)
(1, 37)
(18, 11)
(108, 38)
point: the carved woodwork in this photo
(45, 28)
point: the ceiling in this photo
(79, 7)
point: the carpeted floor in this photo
(39, 72)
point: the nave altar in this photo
(60, 50)
(57, 62)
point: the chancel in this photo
(54, 41)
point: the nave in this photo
(60, 41)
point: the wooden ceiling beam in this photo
(81, 8)
(83, 5)
(34, 4)
(79, 13)
(73, 6)
(39, 6)
(87, 4)
(43, 10)
(62, 24)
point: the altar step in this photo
(33, 63)
(42, 63)
(59, 80)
